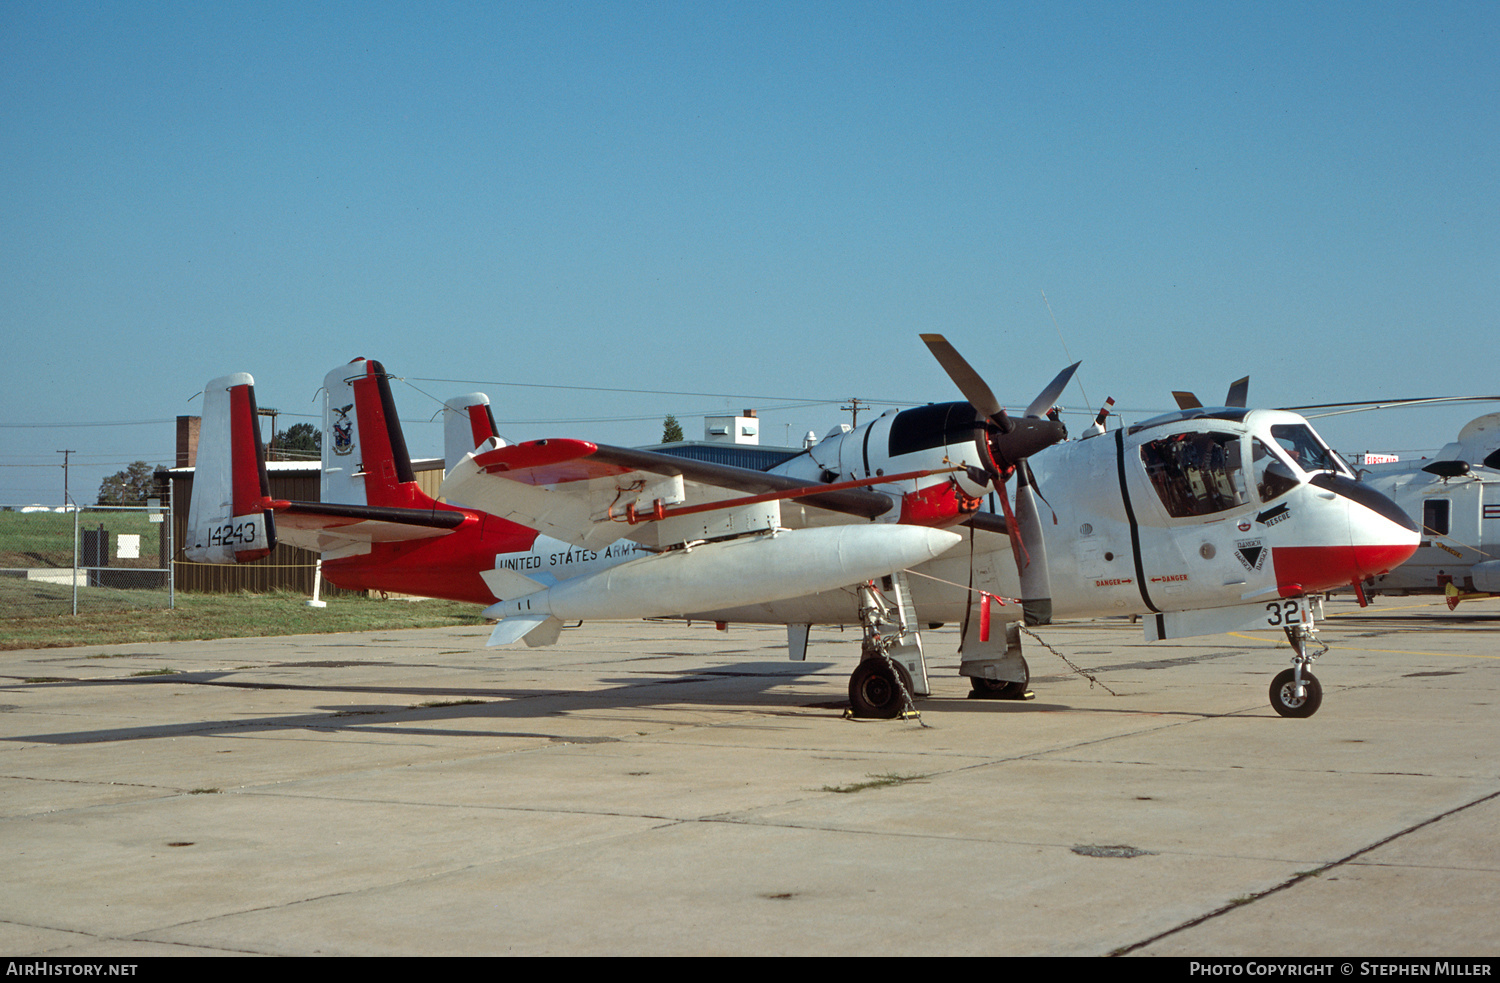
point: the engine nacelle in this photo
(933, 437)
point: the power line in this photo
(804, 400)
(112, 423)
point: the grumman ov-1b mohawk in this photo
(1203, 521)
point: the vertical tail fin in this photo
(468, 428)
(365, 461)
(229, 518)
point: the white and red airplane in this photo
(1203, 521)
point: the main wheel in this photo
(1284, 703)
(995, 689)
(876, 691)
(1000, 689)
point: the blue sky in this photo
(601, 213)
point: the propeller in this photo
(1013, 441)
(1016, 439)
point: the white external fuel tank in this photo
(747, 570)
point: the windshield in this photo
(1272, 476)
(1305, 450)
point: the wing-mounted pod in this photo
(732, 572)
(230, 518)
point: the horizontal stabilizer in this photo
(330, 527)
(503, 582)
(536, 629)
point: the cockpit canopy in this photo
(1212, 469)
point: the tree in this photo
(671, 430)
(129, 487)
(299, 442)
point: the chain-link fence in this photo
(91, 559)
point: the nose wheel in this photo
(1296, 692)
(1284, 694)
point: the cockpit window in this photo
(1196, 473)
(1299, 443)
(1273, 477)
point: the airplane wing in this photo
(592, 494)
(988, 522)
(334, 529)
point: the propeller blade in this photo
(1017, 439)
(1186, 401)
(1036, 582)
(1238, 392)
(964, 377)
(1047, 398)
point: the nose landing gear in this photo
(1296, 692)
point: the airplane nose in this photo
(1380, 538)
(1381, 535)
(1375, 560)
(1363, 494)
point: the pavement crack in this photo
(1301, 876)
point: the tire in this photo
(996, 689)
(1284, 703)
(1000, 689)
(875, 691)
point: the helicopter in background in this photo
(1455, 497)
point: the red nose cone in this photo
(1315, 568)
(1376, 560)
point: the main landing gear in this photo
(891, 672)
(1296, 692)
(981, 688)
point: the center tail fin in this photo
(365, 461)
(229, 517)
(468, 428)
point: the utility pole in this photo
(67, 501)
(854, 407)
(65, 474)
(271, 412)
